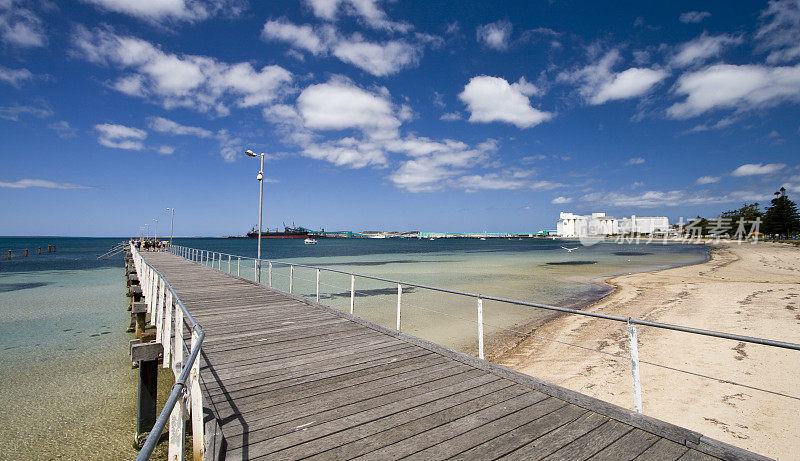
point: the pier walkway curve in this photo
(286, 378)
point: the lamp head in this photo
(250, 153)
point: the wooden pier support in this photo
(26, 252)
(139, 314)
(146, 356)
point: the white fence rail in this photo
(170, 316)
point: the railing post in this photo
(196, 394)
(229, 264)
(269, 273)
(634, 353)
(238, 266)
(317, 285)
(399, 303)
(480, 328)
(177, 430)
(219, 263)
(177, 349)
(159, 297)
(291, 278)
(257, 270)
(352, 293)
(166, 330)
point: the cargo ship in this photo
(288, 233)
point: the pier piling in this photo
(146, 356)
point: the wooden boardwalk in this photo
(285, 378)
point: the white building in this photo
(598, 224)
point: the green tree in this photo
(781, 217)
(749, 211)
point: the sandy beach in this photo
(749, 289)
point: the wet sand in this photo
(747, 289)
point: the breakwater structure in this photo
(262, 373)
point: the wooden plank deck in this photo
(285, 378)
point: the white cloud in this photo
(26, 183)
(599, 84)
(560, 199)
(694, 16)
(635, 161)
(374, 124)
(379, 59)
(303, 37)
(703, 47)
(751, 169)
(493, 99)
(495, 35)
(165, 150)
(451, 116)
(230, 146)
(654, 198)
(726, 86)
(546, 185)
(339, 105)
(439, 168)
(20, 27)
(14, 77)
(492, 181)
(163, 125)
(779, 33)
(197, 82)
(628, 84)
(365, 10)
(707, 179)
(173, 10)
(721, 124)
(120, 136)
(63, 129)
(14, 112)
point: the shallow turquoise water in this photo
(66, 385)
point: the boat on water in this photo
(287, 233)
(310, 241)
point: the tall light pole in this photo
(155, 230)
(171, 222)
(260, 178)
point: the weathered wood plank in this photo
(663, 449)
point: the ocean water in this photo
(66, 385)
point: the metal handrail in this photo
(204, 256)
(180, 384)
(616, 318)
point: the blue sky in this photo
(434, 116)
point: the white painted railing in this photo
(169, 316)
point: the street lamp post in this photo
(155, 230)
(171, 223)
(260, 178)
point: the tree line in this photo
(780, 218)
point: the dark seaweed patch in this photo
(6, 287)
(632, 253)
(571, 263)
